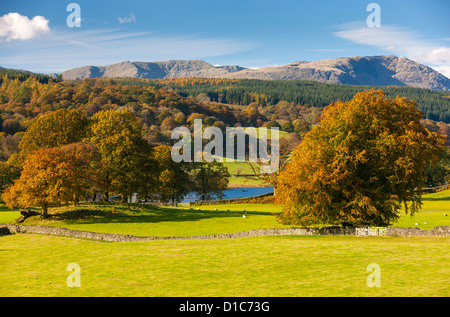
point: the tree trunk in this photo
(75, 200)
(44, 212)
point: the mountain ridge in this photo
(384, 70)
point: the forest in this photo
(434, 104)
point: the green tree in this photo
(172, 179)
(8, 173)
(287, 126)
(439, 173)
(365, 160)
(54, 129)
(209, 180)
(126, 156)
(272, 124)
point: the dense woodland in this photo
(434, 104)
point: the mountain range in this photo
(359, 70)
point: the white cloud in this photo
(387, 37)
(444, 70)
(14, 26)
(129, 19)
(439, 55)
(400, 41)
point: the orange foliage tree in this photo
(52, 176)
(362, 163)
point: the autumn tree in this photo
(85, 163)
(362, 164)
(53, 176)
(9, 144)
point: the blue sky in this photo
(34, 35)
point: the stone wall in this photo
(356, 231)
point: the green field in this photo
(243, 181)
(35, 265)
(156, 221)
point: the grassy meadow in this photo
(35, 265)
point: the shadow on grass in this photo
(5, 208)
(136, 213)
(445, 198)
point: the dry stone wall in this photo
(356, 231)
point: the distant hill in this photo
(371, 70)
(24, 74)
(152, 70)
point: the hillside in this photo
(372, 70)
(272, 93)
(168, 69)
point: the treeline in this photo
(434, 104)
(24, 75)
(66, 157)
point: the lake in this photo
(235, 193)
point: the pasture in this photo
(35, 265)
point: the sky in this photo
(51, 36)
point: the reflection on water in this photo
(235, 193)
